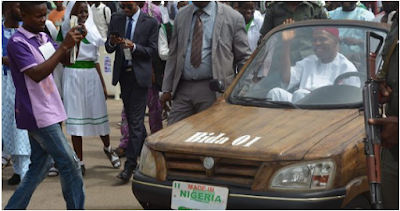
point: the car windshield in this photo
(308, 66)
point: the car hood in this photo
(261, 134)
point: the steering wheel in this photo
(342, 76)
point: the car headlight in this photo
(310, 175)
(147, 164)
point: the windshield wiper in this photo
(267, 101)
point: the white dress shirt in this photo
(101, 17)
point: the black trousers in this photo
(134, 98)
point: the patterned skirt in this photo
(15, 141)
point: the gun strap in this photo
(383, 72)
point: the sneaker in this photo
(119, 123)
(53, 171)
(14, 180)
(113, 157)
(120, 151)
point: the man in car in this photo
(313, 71)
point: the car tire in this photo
(148, 206)
(359, 202)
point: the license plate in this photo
(187, 195)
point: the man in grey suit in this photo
(208, 41)
(133, 36)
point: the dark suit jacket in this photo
(145, 39)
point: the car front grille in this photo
(241, 172)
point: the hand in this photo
(351, 41)
(128, 44)
(384, 94)
(288, 35)
(390, 130)
(73, 37)
(115, 40)
(166, 97)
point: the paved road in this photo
(103, 189)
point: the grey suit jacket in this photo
(145, 39)
(230, 46)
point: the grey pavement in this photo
(104, 191)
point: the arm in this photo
(41, 71)
(287, 37)
(241, 49)
(112, 41)
(151, 47)
(108, 15)
(163, 49)
(102, 80)
(170, 68)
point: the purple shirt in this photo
(37, 105)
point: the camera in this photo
(81, 30)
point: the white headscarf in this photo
(93, 34)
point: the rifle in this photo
(372, 142)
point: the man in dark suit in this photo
(133, 36)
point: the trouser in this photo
(155, 120)
(390, 180)
(46, 143)
(155, 111)
(191, 97)
(134, 98)
(123, 142)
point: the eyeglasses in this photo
(129, 6)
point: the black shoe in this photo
(14, 180)
(120, 151)
(125, 175)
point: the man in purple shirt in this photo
(38, 107)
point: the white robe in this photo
(310, 74)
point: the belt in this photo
(127, 69)
(83, 64)
(197, 80)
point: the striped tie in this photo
(197, 40)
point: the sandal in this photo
(6, 162)
(113, 157)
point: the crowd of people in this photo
(164, 52)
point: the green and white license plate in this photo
(187, 195)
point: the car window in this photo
(308, 67)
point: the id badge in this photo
(127, 54)
(47, 50)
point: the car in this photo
(268, 142)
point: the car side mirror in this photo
(217, 86)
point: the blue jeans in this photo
(46, 143)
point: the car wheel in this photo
(360, 202)
(148, 206)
